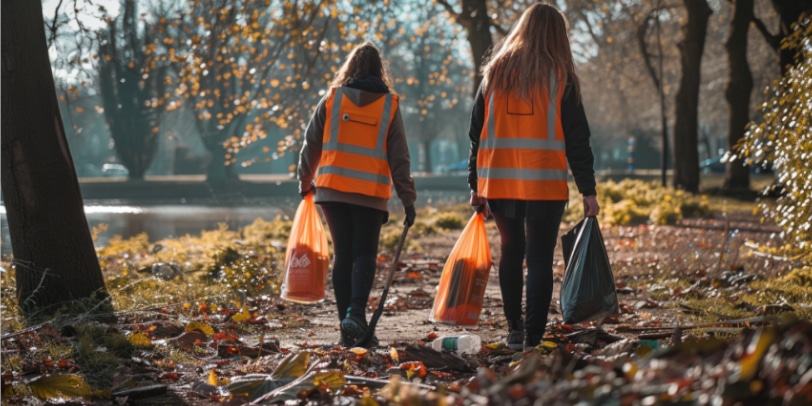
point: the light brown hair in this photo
(537, 46)
(364, 60)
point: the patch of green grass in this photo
(801, 277)
(390, 238)
(11, 363)
(100, 352)
(635, 201)
(423, 228)
(261, 232)
(177, 356)
(717, 308)
(12, 319)
(779, 290)
(450, 221)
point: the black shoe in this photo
(532, 340)
(353, 329)
(515, 335)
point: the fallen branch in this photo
(668, 334)
(380, 383)
(746, 322)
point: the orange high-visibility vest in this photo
(353, 155)
(522, 153)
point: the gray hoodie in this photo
(361, 92)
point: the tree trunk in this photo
(54, 257)
(477, 24)
(789, 12)
(428, 166)
(737, 93)
(129, 79)
(219, 170)
(686, 153)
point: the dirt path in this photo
(642, 257)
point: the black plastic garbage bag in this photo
(588, 291)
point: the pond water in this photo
(162, 220)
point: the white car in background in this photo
(115, 170)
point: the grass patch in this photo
(450, 221)
(633, 201)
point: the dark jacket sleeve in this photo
(576, 135)
(474, 131)
(310, 155)
(400, 161)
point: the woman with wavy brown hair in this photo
(354, 152)
(527, 127)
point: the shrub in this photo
(633, 201)
(784, 139)
(450, 221)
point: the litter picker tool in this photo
(377, 314)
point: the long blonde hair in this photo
(536, 47)
(364, 60)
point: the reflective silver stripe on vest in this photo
(335, 119)
(351, 173)
(522, 174)
(384, 126)
(335, 115)
(491, 121)
(523, 143)
(552, 88)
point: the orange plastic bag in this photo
(465, 277)
(307, 257)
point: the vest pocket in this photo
(519, 107)
(359, 118)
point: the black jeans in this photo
(534, 240)
(355, 231)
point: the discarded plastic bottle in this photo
(463, 344)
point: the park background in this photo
(205, 103)
(184, 120)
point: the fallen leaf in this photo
(139, 340)
(748, 365)
(293, 365)
(201, 327)
(242, 316)
(59, 386)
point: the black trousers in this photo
(356, 231)
(534, 240)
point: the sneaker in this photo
(515, 336)
(532, 340)
(352, 329)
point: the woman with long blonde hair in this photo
(528, 127)
(354, 152)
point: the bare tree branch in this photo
(499, 28)
(585, 20)
(448, 7)
(500, 5)
(52, 37)
(642, 30)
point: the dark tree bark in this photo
(53, 251)
(656, 77)
(686, 155)
(789, 12)
(475, 20)
(737, 93)
(129, 80)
